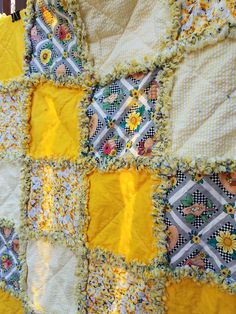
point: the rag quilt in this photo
(118, 157)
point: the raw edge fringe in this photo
(73, 10)
(193, 273)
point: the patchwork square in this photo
(54, 198)
(122, 117)
(10, 173)
(9, 258)
(114, 288)
(10, 303)
(120, 209)
(205, 17)
(205, 91)
(51, 278)
(54, 40)
(201, 224)
(121, 31)
(12, 47)
(11, 135)
(193, 297)
(54, 122)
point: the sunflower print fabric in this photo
(117, 157)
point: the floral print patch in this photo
(201, 225)
(53, 40)
(122, 117)
(9, 258)
(113, 289)
(54, 198)
(200, 16)
(10, 124)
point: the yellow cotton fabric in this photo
(54, 121)
(120, 208)
(9, 304)
(188, 297)
(12, 47)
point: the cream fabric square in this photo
(51, 278)
(120, 30)
(203, 114)
(10, 191)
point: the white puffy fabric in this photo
(51, 278)
(10, 191)
(203, 112)
(120, 30)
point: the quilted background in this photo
(118, 157)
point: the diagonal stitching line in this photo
(53, 275)
(108, 223)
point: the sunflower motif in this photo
(45, 56)
(229, 209)
(226, 242)
(133, 121)
(195, 238)
(173, 181)
(135, 93)
(64, 4)
(225, 272)
(128, 145)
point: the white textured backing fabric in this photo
(10, 191)
(121, 30)
(51, 278)
(203, 112)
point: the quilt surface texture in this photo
(118, 157)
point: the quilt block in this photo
(201, 225)
(55, 266)
(117, 158)
(53, 40)
(54, 122)
(122, 117)
(11, 118)
(57, 187)
(130, 192)
(208, 128)
(12, 48)
(10, 173)
(120, 288)
(9, 258)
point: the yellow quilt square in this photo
(54, 122)
(12, 47)
(10, 304)
(188, 296)
(120, 209)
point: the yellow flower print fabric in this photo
(205, 17)
(54, 187)
(54, 124)
(12, 47)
